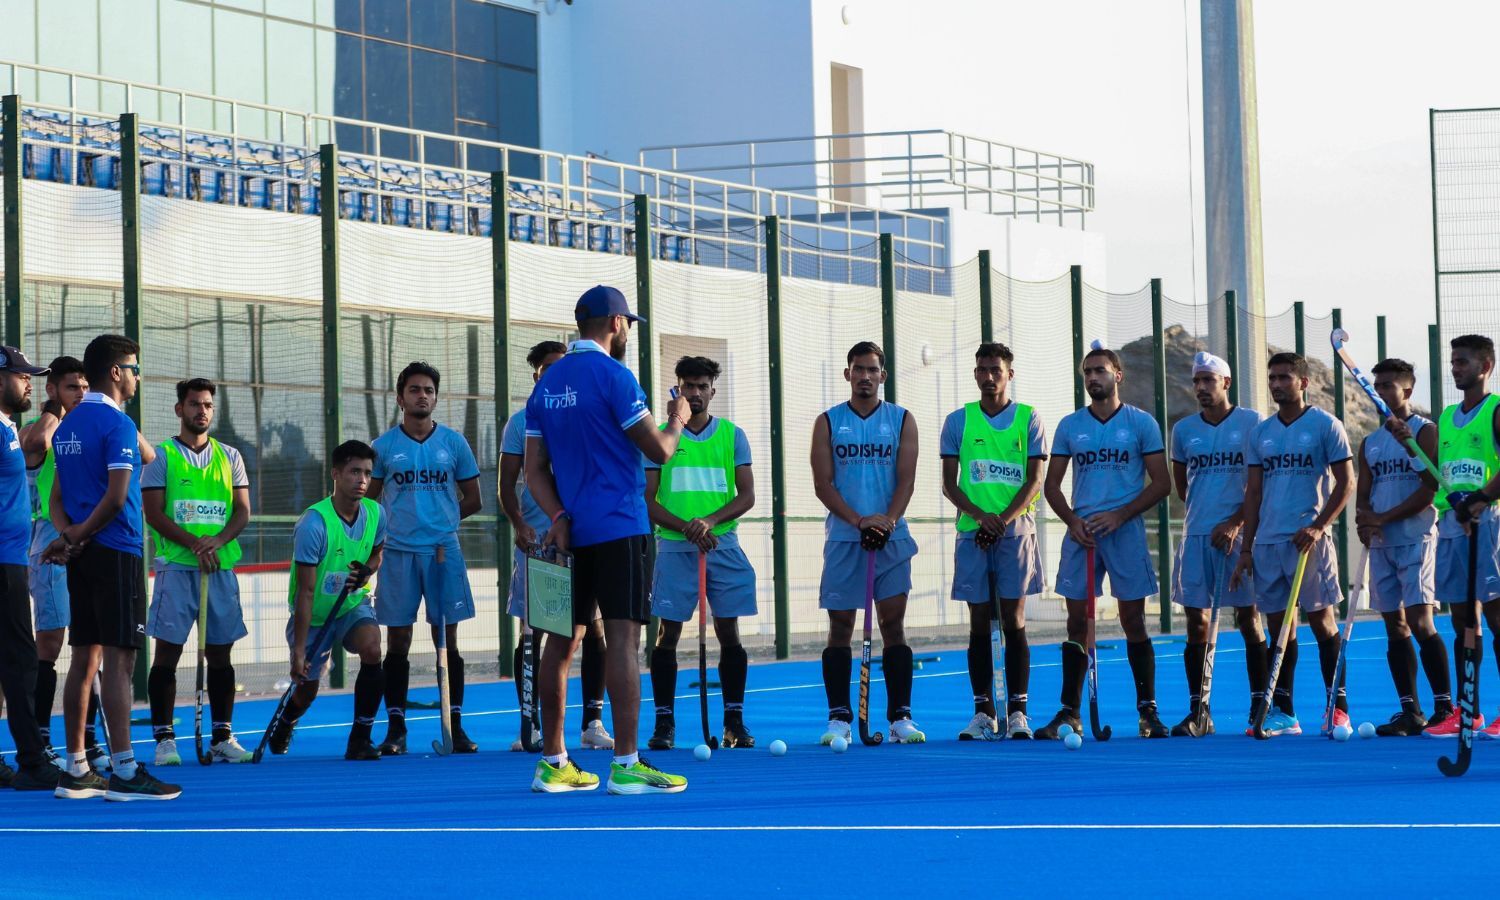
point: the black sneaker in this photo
(80, 787)
(664, 736)
(1064, 716)
(1403, 724)
(736, 734)
(1151, 725)
(395, 738)
(7, 774)
(37, 778)
(281, 738)
(360, 749)
(462, 743)
(1188, 727)
(142, 787)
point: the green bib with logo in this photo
(698, 480)
(1466, 454)
(333, 568)
(199, 501)
(992, 461)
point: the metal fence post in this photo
(1299, 328)
(781, 568)
(130, 284)
(888, 312)
(15, 273)
(1075, 291)
(500, 334)
(986, 298)
(1341, 527)
(333, 406)
(1164, 508)
(646, 365)
(1380, 338)
(1232, 333)
(1435, 371)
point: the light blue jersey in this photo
(1294, 461)
(1394, 475)
(864, 464)
(741, 458)
(1215, 459)
(1036, 448)
(420, 491)
(1108, 457)
(513, 443)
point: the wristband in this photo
(561, 514)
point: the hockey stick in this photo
(1206, 684)
(1468, 671)
(1100, 734)
(531, 714)
(865, 737)
(710, 740)
(319, 639)
(205, 759)
(1278, 655)
(1340, 340)
(1357, 591)
(998, 695)
(443, 746)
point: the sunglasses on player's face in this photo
(135, 368)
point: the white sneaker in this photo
(596, 738)
(1018, 727)
(229, 750)
(536, 738)
(166, 753)
(836, 728)
(980, 728)
(905, 731)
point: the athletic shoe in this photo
(1018, 727)
(664, 737)
(98, 759)
(55, 758)
(228, 750)
(595, 737)
(281, 738)
(982, 727)
(7, 774)
(517, 747)
(395, 737)
(836, 728)
(736, 735)
(550, 779)
(905, 731)
(1491, 733)
(80, 787)
(1402, 724)
(1150, 724)
(462, 743)
(1340, 717)
(1447, 727)
(1279, 722)
(1064, 716)
(643, 778)
(142, 787)
(166, 753)
(359, 749)
(37, 778)
(1188, 727)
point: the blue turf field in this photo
(1129, 816)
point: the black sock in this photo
(91, 727)
(1017, 670)
(1495, 645)
(1142, 658)
(1194, 656)
(220, 684)
(664, 680)
(1075, 664)
(981, 673)
(455, 683)
(368, 687)
(397, 680)
(45, 696)
(161, 688)
(1434, 655)
(734, 666)
(896, 662)
(838, 665)
(1402, 661)
(591, 672)
(1287, 679)
(1328, 660)
(1257, 665)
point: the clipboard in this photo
(549, 593)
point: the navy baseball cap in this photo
(602, 300)
(13, 360)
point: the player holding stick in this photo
(1120, 472)
(1209, 470)
(992, 455)
(695, 500)
(1301, 476)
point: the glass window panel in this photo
(251, 5)
(520, 122)
(387, 83)
(68, 34)
(349, 69)
(432, 91)
(515, 37)
(432, 24)
(291, 66)
(130, 53)
(476, 28)
(386, 19)
(324, 12)
(324, 42)
(478, 91)
(240, 67)
(187, 47)
(18, 37)
(348, 17)
(301, 10)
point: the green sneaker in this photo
(643, 778)
(552, 779)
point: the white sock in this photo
(124, 764)
(558, 761)
(78, 764)
(627, 761)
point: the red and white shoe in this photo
(1339, 718)
(1491, 733)
(1448, 728)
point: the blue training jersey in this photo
(1215, 459)
(1108, 456)
(513, 443)
(90, 442)
(1394, 475)
(1294, 460)
(419, 494)
(864, 464)
(15, 514)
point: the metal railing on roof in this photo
(899, 169)
(215, 149)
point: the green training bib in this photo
(339, 552)
(698, 480)
(992, 461)
(199, 501)
(1467, 457)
